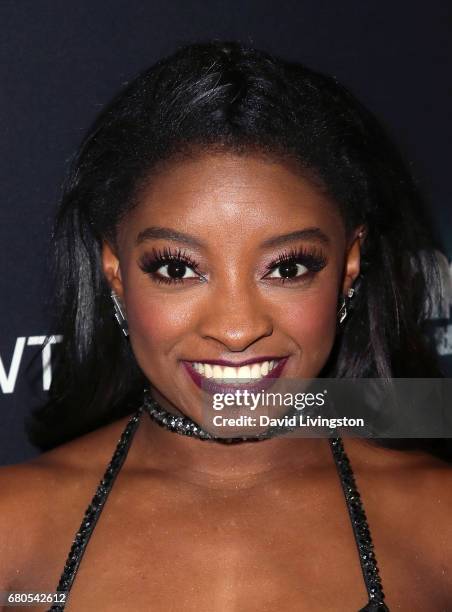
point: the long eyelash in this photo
(312, 258)
(150, 264)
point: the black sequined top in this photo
(355, 508)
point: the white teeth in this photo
(256, 371)
(229, 372)
(245, 373)
(217, 371)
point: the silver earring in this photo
(119, 313)
(342, 312)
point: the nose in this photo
(235, 319)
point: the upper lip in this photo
(237, 364)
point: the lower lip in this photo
(211, 386)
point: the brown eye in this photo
(289, 269)
(164, 266)
(175, 270)
(296, 265)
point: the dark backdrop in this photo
(62, 61)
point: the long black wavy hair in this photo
(227, 94)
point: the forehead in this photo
(217, 194)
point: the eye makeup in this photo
(179, 262)
(310, 258)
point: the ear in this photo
(111, 268)
(353, 257)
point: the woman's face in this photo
(231, 258)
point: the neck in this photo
(240, 464)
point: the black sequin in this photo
(360, 529)
(94, 509)
(184, 426)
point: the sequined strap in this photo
(360, 529)
(352, 497)
(94, 509)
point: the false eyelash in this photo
(150, 264)
(312, 258)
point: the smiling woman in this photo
(246, 222)
(226, 291)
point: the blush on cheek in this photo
(154, 329)
(312, 327)
(149, 328)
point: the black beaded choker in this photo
(185, 426)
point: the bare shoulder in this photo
(43, 500)
(414, 471)
(412, 490)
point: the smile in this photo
(254, 371)
(220, 378)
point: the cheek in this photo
(155, 326)
(311, 324)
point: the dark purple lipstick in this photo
(212, 386)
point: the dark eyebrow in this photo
(309, 233)
(168, 234)
(155, 232)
